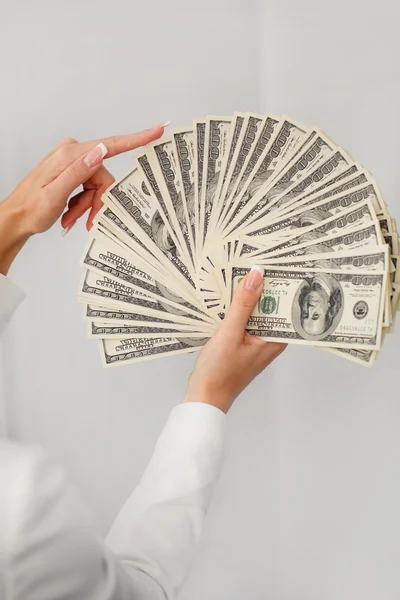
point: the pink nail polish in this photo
(254, 278)
(95, 156)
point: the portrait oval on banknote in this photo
(161, 234)
(193, 342)
(317, 306)
(164, 291)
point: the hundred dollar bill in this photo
(111, 225)
(393, 242)
(199, 128)
(109, 291)
(385, 223)
(338, 182)
(138, 327)
(287, 138)
(111, 260)
(106, 331)
(167, 219)
(360, 237)
(387, 313)
(396, 264)
(316, 152)
(119, 211)
(367, 260)
(117, 352)
(265, 132)
(287, 226)
(167, 172)
(215, 156)
(320, 308)
(252, 124)
(114, 317)
(336, 186)
(355, 252)
(183, 140)
(110, 231)
(350, 218)
(234, 136)
(395, 305)
(336, 163)
(150, 187)
(135, 201)
(237, 125)
(364, 358)
(361, 181)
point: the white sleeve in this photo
(52, 546)
(159, 526)
(10, 298)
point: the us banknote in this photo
(326, 308)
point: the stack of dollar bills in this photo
(202, 206)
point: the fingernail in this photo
(67, 229)
(254, 278)
(164, 125)
(95, 156)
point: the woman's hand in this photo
(41, 198)
(232, 358)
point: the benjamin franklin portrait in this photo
(317, 307)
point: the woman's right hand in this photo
(41, 198)
(232, 358)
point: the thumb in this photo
(78, 172)
(245, 299)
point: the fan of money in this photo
(179, 231)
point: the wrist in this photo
(211, 398)
(13, 234)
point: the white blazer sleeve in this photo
(10, 298)
(50, 546)
(158, 527)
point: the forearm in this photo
(13, 234)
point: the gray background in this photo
(307, 505)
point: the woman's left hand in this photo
(41, 198)
(232, 358)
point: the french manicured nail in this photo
(95, 156)
(166, 124)
(254, 278)
(67, 229)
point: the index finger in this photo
(117, 144)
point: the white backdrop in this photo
(307, 505)
(336, 65)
